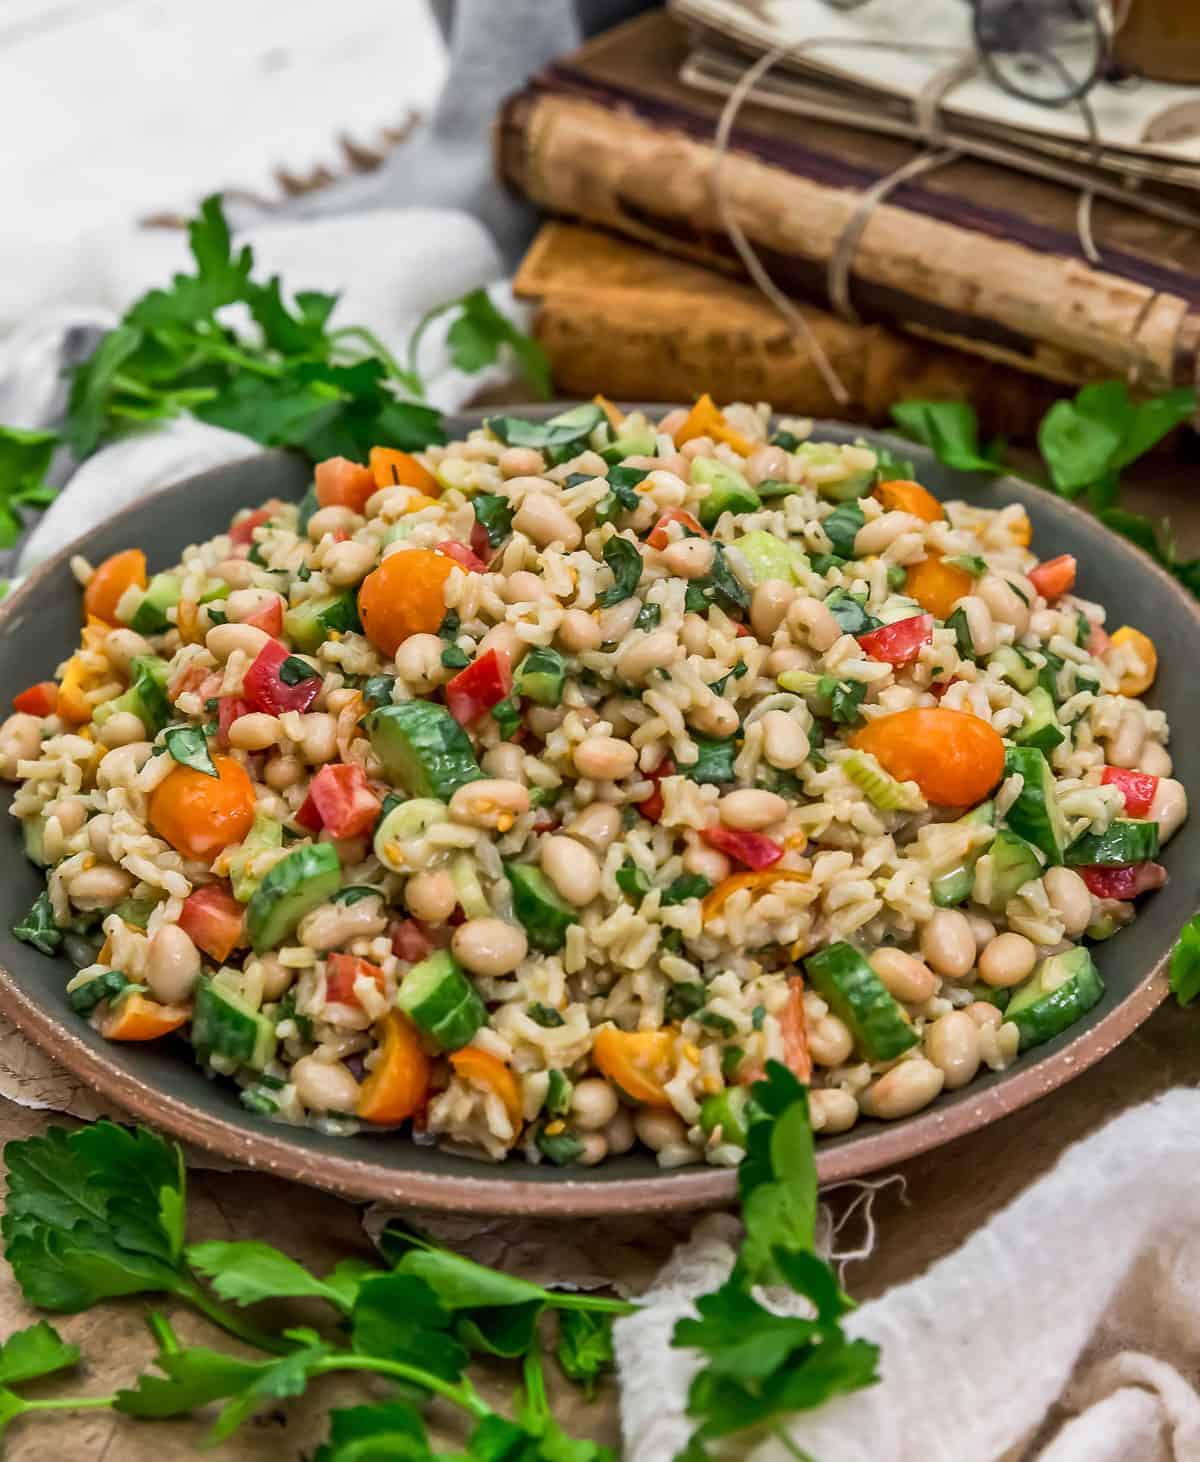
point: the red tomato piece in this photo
(752, 849)
(212, 919)
(343, 802)
(266, 690)
(308, 816)
(659, 537)
(652, 808)
(1124, 883)
(411, 941)
(268, 616)
(483, 684)
(341, 971)
(463, 555)
(901, 642)
(1098, 641)
(243, 530)
(481, 544)
(1137, 788)
(38, 700)
(229, 708)
(1055, 577)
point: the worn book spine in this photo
(986, 295)
(635, 325)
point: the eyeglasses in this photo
(1045, 51)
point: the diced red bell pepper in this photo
(901, 642)
(343, 803)
(38, 700)
(1137, 788)
(243, 530)
(265, 690)
(229, 709)
(341, 971)
(1124, 883)
(268, 616)
(212, 919)
(461, 554)
(652, 808)
(483, 684)
(752, 849)
(308, 816)
(1055, 577)
(481, 544)
(659, 537)
(411, 941)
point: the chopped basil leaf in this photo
(455, 659)
(353, 892)
(450, 626)
(545, 1015)
(294, 670)
(188, 746)
(841, 527)
(625, 562)
(377, 691)
(631, 880)
(494, 514)
(686, 886)
(714, 762)
(962, 633)
(38, 927)
(84, 998)
(850, 614)
(648, 617)
(561, 1148)
(508, 717)
(684, 1000)
(558, 1093)
(757, 1016)
(719, 1023)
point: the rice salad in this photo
(531, 792)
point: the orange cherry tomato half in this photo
(399, 1081)
(937, 586)
(391, 468)
(138, 1019)
(901, 496)
(106, 586)
(405, 595)
(639, 1062)
(198, 814)
(483, 1069)
(955, 758)
(341, 483)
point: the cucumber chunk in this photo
(1036, 815)
(541, 676)
(728, 490)
(856, 994)
(146, 697)
(310, 624)
(1011, 666)
(405, 821)
(1063, 988)
(224, 1025)
(266, 833)
(827, 454)
(768, 557)
(150, 616)
(727, 1110)
(953, 886)
(1041, 729)
(542, 914)
(441, 1001)
(305, 878)
(1125, 840)
(631, 441)
(1008, 865)
(423, 748)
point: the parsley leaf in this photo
(24, 461)
(625, 561)
(247, 1271)
(38, 927)
(585, 1347)
(479, 335)
(1185, 963)
(38, 1350)
(951, 428)
(389, 1432)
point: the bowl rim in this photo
(359, 1178)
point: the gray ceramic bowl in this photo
(39, 626)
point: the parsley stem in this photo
(69, 1403)
(562, 1300)
(789, 1446)
(461, 1393)
(188, 1289)
(408, 379)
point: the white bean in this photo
(765, 464)
(276, 977)
(282, 772)
(984, 1014)
(70, 812)
(318, 743)
(121, 728)
(523, 587)
(832, 1110)
(1071, 899)
(707, 862)
(223, 639)
(578, 632)
(1007, 960)
(619, 1133)
(980, 625)
(20, 740)
(594, 1149)
(254, 732)
(604, 758)
(325, 1086)
(694, 634)
(1156, 760)
(785, 742)
(616, 622)
(489, 946)
(1169, 807)
(882, 532)
(903, 1090)
(659, 1129)
(545, 521)
(348, 562)
(507, 643)
(830, 1041)
(431, 897)
(598, 825)
(689, 558)
(714, 716)
(1004, 603)
(653, 651)
(419, 661)
(948, 944)
(172, 965)
(329, 926)
(1125, 748)
(520, 462)
(122, 646)
(904, 976)
(571, 868)
(751, 809)
(238, 573)
(119, 767)
(593, 1104)
(493, 803)
(816, 620)
(99, 887)
(335, 519)
(769, 606)
(242, 604)
(99, 833)
(505, 762)
(952, 1044)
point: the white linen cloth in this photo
(1067, 1329)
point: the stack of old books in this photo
(973, 280)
